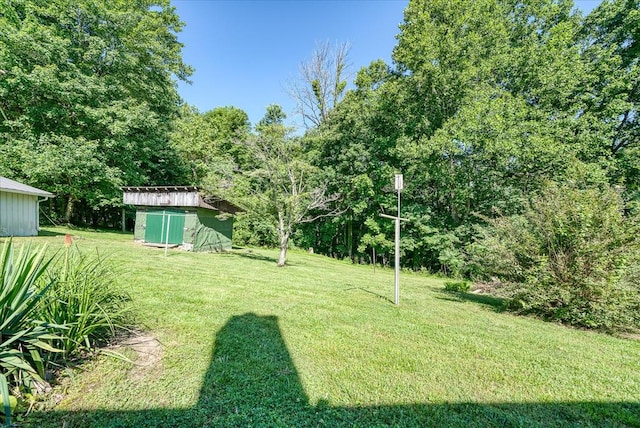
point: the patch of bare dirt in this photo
(631, 336)
(148, 354)
(485, 287)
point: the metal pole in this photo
(162, 231)
(166, 241)
(397, 262)
(124, 227)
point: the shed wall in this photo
(164, 224)
(162, 199)
(139, 226)
(191, 224)
(204, 230)
(151, 222)
(18, 214)
(214, 232)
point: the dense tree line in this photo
(485, 103)
(516, 127)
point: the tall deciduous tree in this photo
(93, 82)
(610, 117)
(488, 99)
(283, 185)
(322, 82)
(206, 144)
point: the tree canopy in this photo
(484, 103)
(88, 97)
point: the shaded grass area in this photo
(248, 344)
(498, 304)
(252, 381)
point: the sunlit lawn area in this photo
(241, 342)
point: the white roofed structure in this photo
(19, 208)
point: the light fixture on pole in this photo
(399, 185)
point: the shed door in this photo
(163, 225)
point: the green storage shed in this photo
(181, 216)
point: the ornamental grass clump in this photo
(52, 309)
(85, 296)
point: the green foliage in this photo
(207, 145)
(457, 286)
(572, 256)
(87, 98)
(485, 102)
(452, 261)
(254, 229)
(23, 338)
(84, 296)
(375, 238)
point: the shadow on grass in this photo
(496, 303)
(372, 293)
(43, 232)
(252, 382)
(249, 254)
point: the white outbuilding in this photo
(19, 208)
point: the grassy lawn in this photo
(235, 341)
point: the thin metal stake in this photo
(166, 241)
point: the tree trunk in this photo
(350, 237)
(284, 243)
(69, 209)
(283, 234)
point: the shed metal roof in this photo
(12, 186)
(146, 189)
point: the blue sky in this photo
(245, 51)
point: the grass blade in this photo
(6, 400)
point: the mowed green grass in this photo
(319, 343)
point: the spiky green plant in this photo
(22, 338)
(84, 296)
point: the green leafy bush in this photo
(76, 297)
(84, 296)
(571, 256)
(253, 230)
(457, 286)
